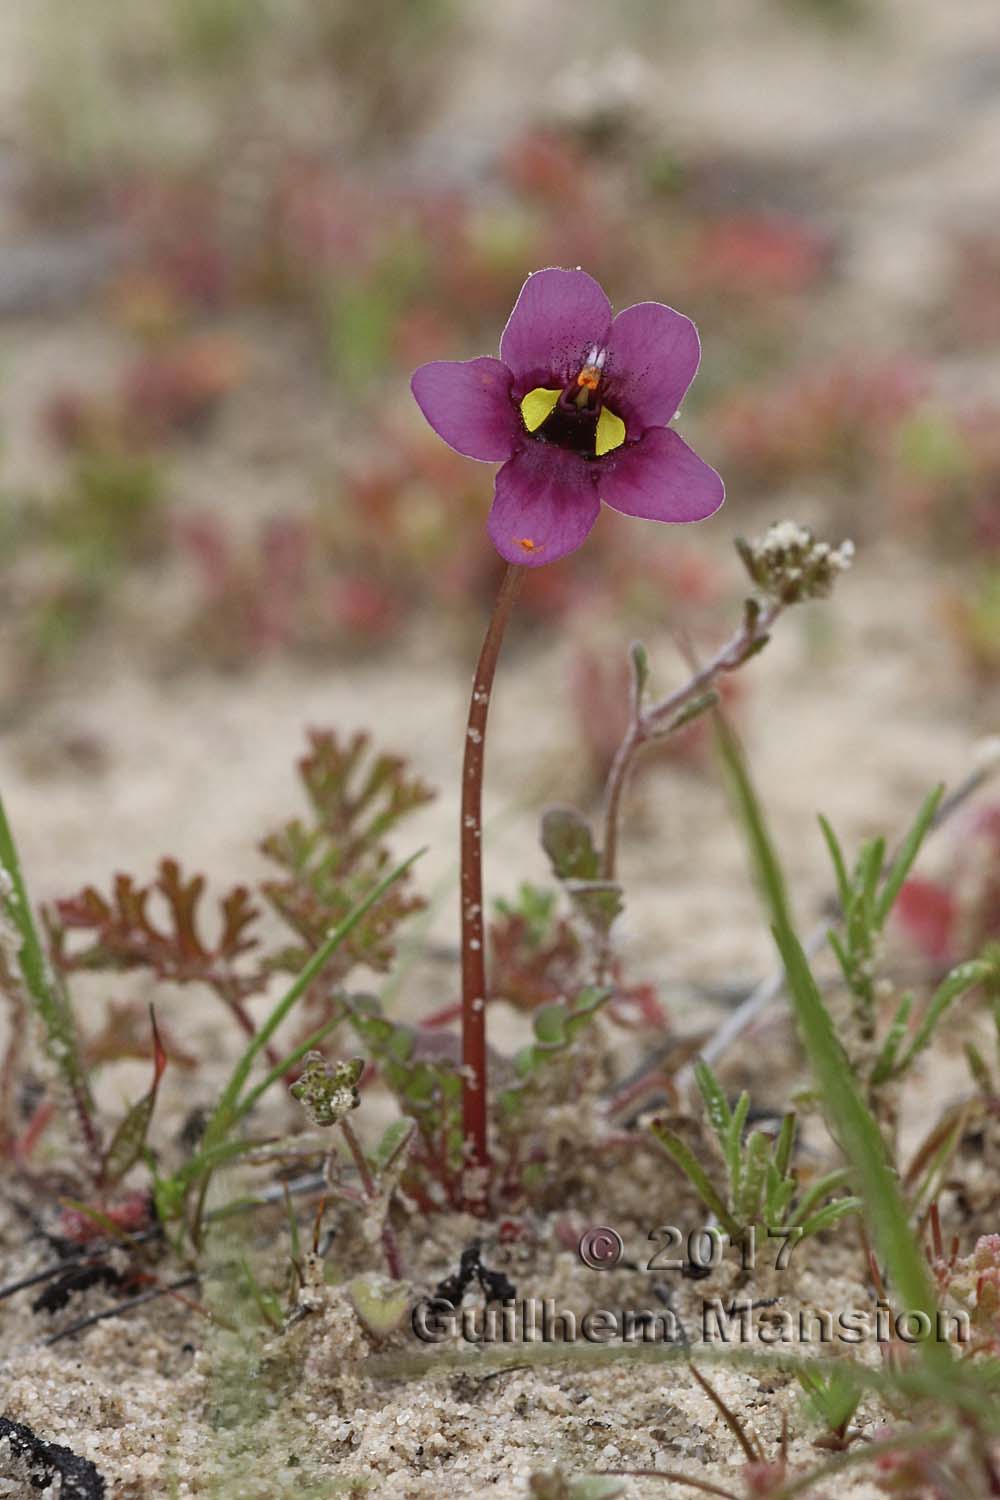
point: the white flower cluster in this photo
(789, 564)
(328, 1093)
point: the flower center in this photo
(575, 417)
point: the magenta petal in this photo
(653, 356)
(660, 478)
(468, 403)
(544, 506)
(558, 318)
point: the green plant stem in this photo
(228, 1110)
(390, 1245)
(46, 995)
(474, 1068)
(656, 720)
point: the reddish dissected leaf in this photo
(126, 936)
(527, 972)
(330, 861)
(124, 1034)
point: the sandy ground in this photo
(856, 709)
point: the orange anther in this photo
(529, 544)
(589, 377)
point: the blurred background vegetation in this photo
(231, 229)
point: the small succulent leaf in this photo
(550, 1024)
(380, 1303)
(639, 658)
(569, 843)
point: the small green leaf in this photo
(395, 1140)
(783, 1145)
(904, 860)
(831, 1214)
(962, 979)
(756, 1158)
(549, 1023)
(696, 1175)
(839, 864)
(569, 843)
(129, 1140)
(639, 657)
(599, 902)
(885, 1062)
(716, 1104)
(379, 1302)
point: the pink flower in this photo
(576, 409)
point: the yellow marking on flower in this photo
(537, 405)
(529, 544)
(610, 432)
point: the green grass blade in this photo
(733, 1143)
(816, 1192)
(831, 1214)
(696, 1175)
(227, 1110)
(45, 993)
(859, 1135)
(886, 1061)
(904, 860)
(783, 1145)
(850, 1120)
(838, 862)
(956, 984)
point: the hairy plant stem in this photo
(390, 1245)
(646, 723)
(474, 1070)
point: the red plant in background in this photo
(751, 256)
(169, 391)
(257, 597)
(951, 918)
(840, 419)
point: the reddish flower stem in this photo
(474, 1072)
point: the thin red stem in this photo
(474, 1071)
